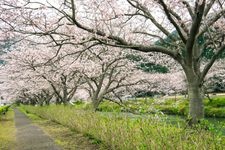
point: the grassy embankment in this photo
(121, 131)
(7, 130)
(176, 110)
(62, 135)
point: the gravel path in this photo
(31, 137)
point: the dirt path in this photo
(31, 137)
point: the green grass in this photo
(7, 131)
(214, 108)
(62, 135)
(122, 132)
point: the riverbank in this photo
(124, 132)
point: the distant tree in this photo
(30, 73)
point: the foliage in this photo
(217, 102)
(207, 53)
(120, 131)
(214, 112)
(150, 67)
(4, 109)
(107, 106)
(174, 107)
(147, 66)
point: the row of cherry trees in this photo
(185, 29)
(34, 74)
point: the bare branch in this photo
(181, 33)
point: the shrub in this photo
(78, 102)
(107, 106)
(167, 109)
(217, 102)
(4, 109)
(214, 112)
(172, 107)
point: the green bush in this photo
(123, 132)
(107, 106)
(183, 107)
(79, 102)
(214, 112)
(169, 102)
(217, 102)
(167, 109)
(173, 107)
(4, 109)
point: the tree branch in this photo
(211, 62)
(175, 24)
(148, 15)
(208, 7)
(212, 21)
(194, 30)
(189, 8)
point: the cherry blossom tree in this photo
(107, 70)
(21, 82)
(37, 75)
(33, 74)
(136, 24)
(216, 78)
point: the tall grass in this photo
(7, 131)
(123, 132)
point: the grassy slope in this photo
(7, 131)
(63, 136)
(124, 132)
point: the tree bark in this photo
(96, 102)
(196, 108)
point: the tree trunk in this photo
(57, 102)
(196, 108)
(65, 101)
(96, 100)
(95, 103)
(41, 103)
(47, 102)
